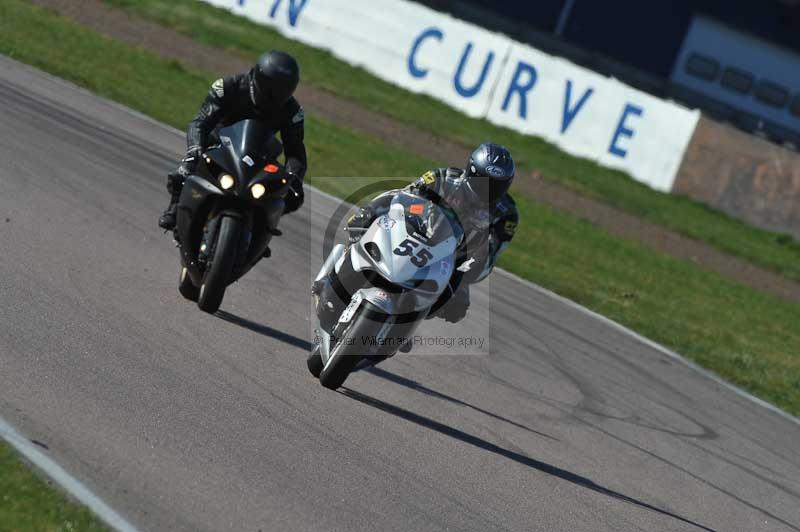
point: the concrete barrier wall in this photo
(488, 75)
(745, 176)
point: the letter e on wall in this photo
(624, 130)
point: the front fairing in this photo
(412, 249)
(247, 151)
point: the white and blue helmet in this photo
(490, 171)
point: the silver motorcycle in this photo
(371, 295)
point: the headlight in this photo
(372, 249)
(226, 181)
(258, 190)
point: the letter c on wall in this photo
(430, 33)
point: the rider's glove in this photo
(358, 222)
(295, 196)
(189, 162)
(456, 308)
(187, 167)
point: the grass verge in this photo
(30, 504)
(213, 26)
(749, 338)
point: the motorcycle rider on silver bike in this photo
(477, 198)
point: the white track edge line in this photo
(61, 477)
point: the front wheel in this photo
(350, 349)
(338, 368)
(186, 288)
(314, 362)
(218, 273)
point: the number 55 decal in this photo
(407, 247)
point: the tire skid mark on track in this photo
(658, 347)
(517, 457)
(685, 471)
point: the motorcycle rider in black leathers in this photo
(264, 94)
(478, 197)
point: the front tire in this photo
(217, 275)
(314, 362)
(186, 288)
(338, 368)
(347, 352)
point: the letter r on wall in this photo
(522, 83)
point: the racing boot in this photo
(169, 218)
(175, 179)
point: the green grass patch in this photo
(30, 504)
(218, 27)
(748, 337)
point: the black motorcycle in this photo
(229, 210)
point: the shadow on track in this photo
(414, 385)
(265, 330)
(511, 455)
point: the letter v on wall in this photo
(570, 113)
(295, 8)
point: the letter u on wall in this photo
(469, 92)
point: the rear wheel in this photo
(186, 288)
(218, 273)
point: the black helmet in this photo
(274, 79)
(489, 172)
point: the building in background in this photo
(737, 60)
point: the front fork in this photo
(327, 304)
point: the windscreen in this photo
(426, 220)
(245, 147)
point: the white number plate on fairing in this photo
(348, 313)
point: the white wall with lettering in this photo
(488, 75)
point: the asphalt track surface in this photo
(186, 421)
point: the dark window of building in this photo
(542, 14)
(702, 66)
(771, 93)
(794, 108)
(737, 80)
(646, 35)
